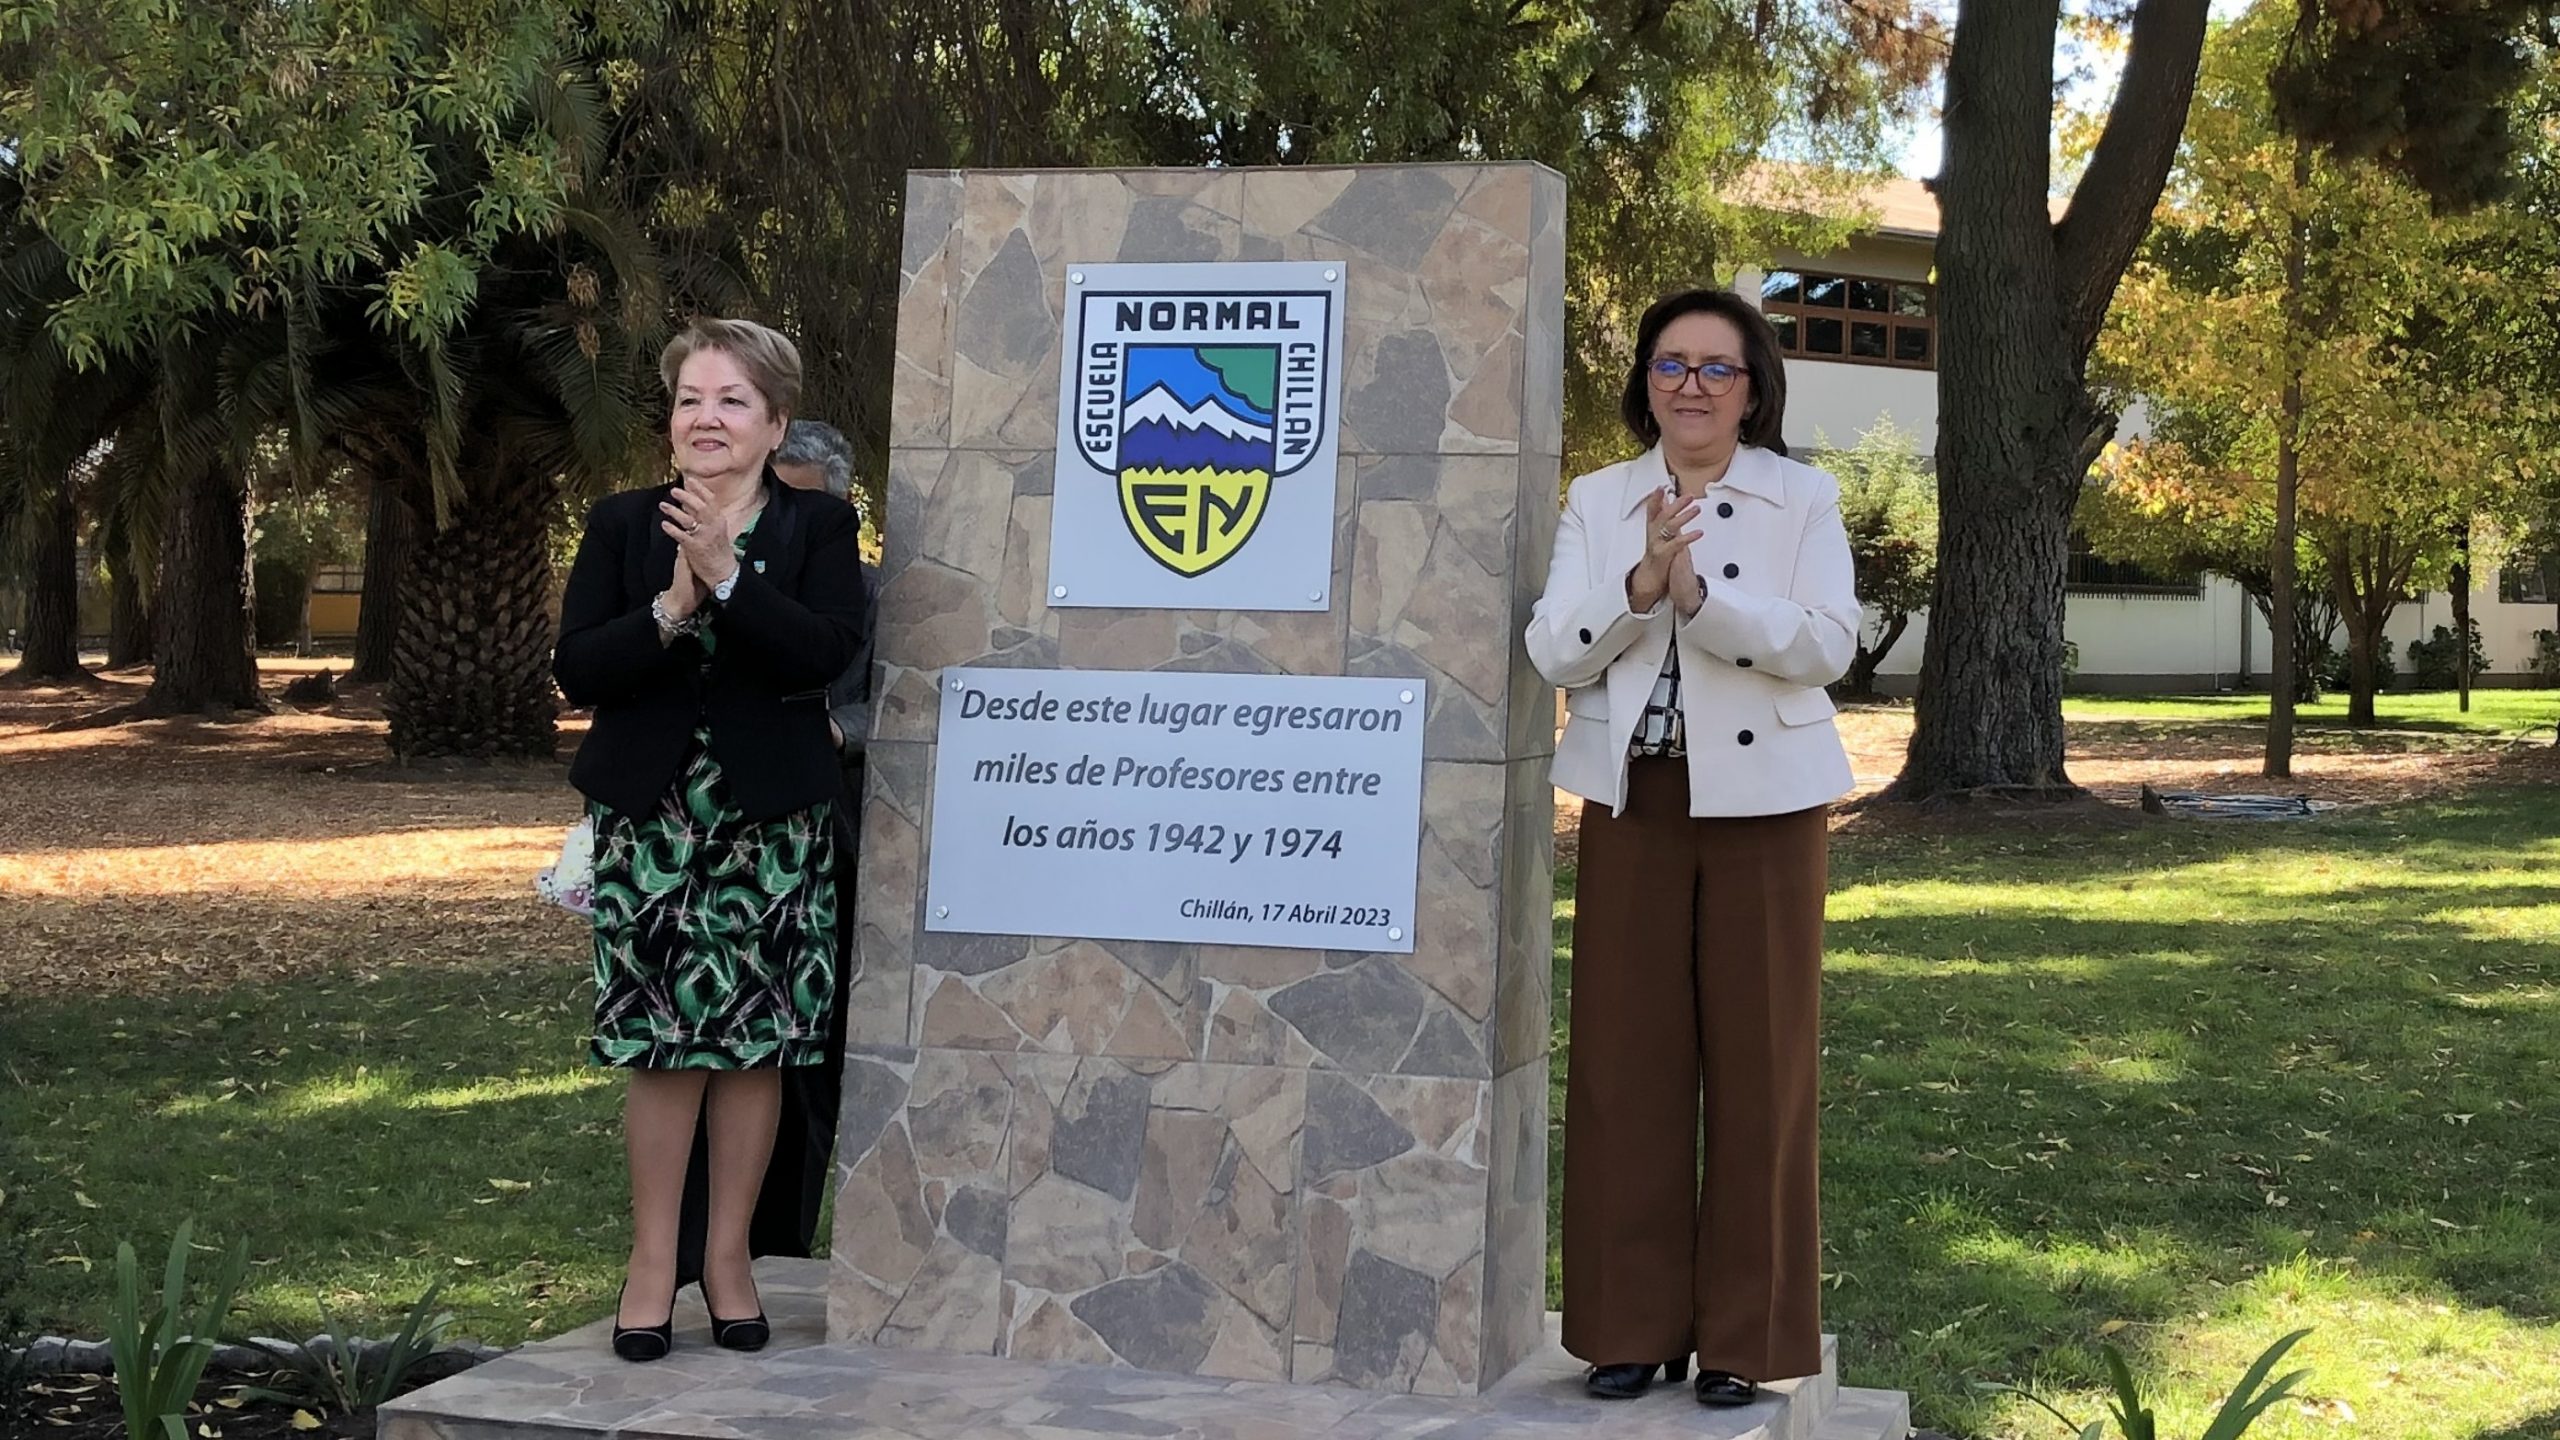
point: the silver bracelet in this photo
(669, 625)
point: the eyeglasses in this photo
(1715, 377)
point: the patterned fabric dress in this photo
(715, 935)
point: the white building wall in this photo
(2135, 641)
(2506, 631)
(1830, 404)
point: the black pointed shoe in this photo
(1626, 1382)
(641, 1344)
(748, 1334)
(1715, 1387)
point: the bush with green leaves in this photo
(2247, 1403)
(160, 1353)
(342, 1372)
(2546, 657)
(2432, 661)
(1889, 503)
(2336, 668)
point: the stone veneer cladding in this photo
(1257, 1164)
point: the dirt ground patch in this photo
(2113, 760)
(188, 853)
(197, 853)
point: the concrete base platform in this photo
(801, 1388)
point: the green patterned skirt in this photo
(715, 934)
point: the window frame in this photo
(338, 579)
(1846, 315)
(2539, 576)
(2120, 579)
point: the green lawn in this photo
(2192, 1087)
(2184, 1085)
(366, 1136)
(2492, 713)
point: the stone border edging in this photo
(57, 1355)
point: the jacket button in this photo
(1744, 662)
(1743, 738)
(1724, 510)
(1732, 572)
(1586, 637)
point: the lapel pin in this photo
(759, 567)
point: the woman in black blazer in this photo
(703, 621)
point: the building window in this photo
(338, 580)
(2530, 581)
(1852, 318)
(2089, 575)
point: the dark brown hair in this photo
(1763, 421)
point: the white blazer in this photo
(1780, 621)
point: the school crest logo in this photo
(1198, 405)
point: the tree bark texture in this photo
(2280, 550)
(471, 670)
(206, 646)
(2369, 570)
(390, 535)
(2021, 299)
(51, 639)
(2461, 587)
(128, 619)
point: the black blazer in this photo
(790, 627)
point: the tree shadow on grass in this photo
(2544, 1426)
(2084, 1081)
(364, 1134)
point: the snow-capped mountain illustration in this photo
(1162, 407)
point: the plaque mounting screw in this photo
(1076, 277)
(1058, 592)
(1395, 932)
(959, 684)
(1405, 696)
(1332, 274)
(941, 912)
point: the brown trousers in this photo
(1697, 965)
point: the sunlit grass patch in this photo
(2186, 1087)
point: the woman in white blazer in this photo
(1698, 601)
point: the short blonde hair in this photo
(771, 361)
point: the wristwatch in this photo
(721, 591)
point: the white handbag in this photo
(570, 882)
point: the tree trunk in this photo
(2461, 584)
(1861, 679)
(2021, 302)
(2366, 574)
(207, 643)
(390, 535)
(2362, 637)
(2280, 550)
(128, 619)
(471, 674)
(52, 636)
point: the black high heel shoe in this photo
(641, 1344)
(1626, 1382)
(1715, 1387)
(748, 1334)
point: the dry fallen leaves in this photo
(189, 855)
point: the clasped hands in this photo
(1666, 568)
(706, 536)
